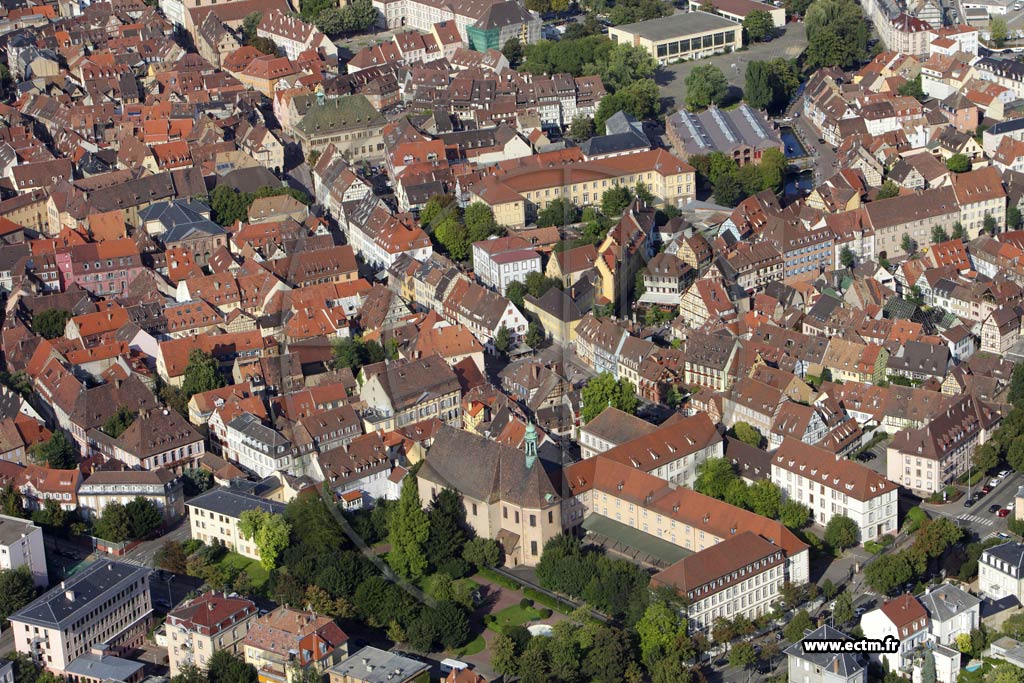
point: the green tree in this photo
(58, 452)
(535, 335)
(172, 557)
(986, 457)
(603, 391)
(269, 531)
(989, 225)
(742, 655)
(482, 552)
(249, 25)
(189, 673)
(582, 128)
(888, 190)
(408, 530)
(758, 87)
(888, 572)
(355, 352)
(225, 667)
(939, 234)
(765, 498)
(113, 525)
(446, 537)
(659, 629)
(958, 231)
(480, 223)
(117, 423)
(513, 51)
(912, 88)
(608, 658)
(50, 323)
(11, 503)
(1013, 217)
(841, 532)
(358, 15)
(843, 612)
(615, 200)
(558, 212)
(714, 476)
(17, 589)
(758, 26)
(837, 34)
(452, 234)
(227, 205)
(928, 674)
(908, 245)
(503, 340)
(641, 99)
(144, 517)
(798, 625)
(705, 85)
(772, 169)
(1005, 672)
(438, 207)
(331, 21)
(793, 514)
(959, 163)
(504, 657)
(997, 32)
(846, 258)
(748, 434)
(201, 374)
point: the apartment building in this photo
(903, 618)
(204, 625)
(214, 516)
(979, 193)
(1001, 571)
(404, 392)
(610, 429)
(294, 36)
(673, 451)
(261, 449)
(742, 575)
(500, 261)
(952, 611)
(829, 486)
(21, 545)
(928, 458)
(107, 602)
(286, 643)
(161, 487)
(825, 667)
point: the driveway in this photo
(672, 78)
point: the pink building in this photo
(103, 268)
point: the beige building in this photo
(525, 188)
(404, 392)
(210, 623)
(682, 36)
(107, 602)
(161, 487)
(508, 494)
(928, 458)
(214, 516)
(287, 641)
(350, 123)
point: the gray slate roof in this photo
(372, 665)
(841, 665)
(233, 503)
(181, 219)
(103, 667)
(90, 587)
(946, 601)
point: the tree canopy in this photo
(50, 323)
(837, 34)
(603, 391)
(705, 85)
(58, 452)
(201, 374)
(408, 531)
(270, 532)
(759, 26)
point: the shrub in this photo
(526, 603)
(873, 547)
(191, 545)
(545, 613)
(455, 567)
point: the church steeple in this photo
(530, 444)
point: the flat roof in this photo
(676, 26)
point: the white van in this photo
(449, 665)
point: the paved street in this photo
(977, 519)
(671, 78)
(143, 553)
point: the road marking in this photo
(976, 519)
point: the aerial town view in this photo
(488, 341)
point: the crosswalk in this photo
(984, 521)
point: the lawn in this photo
(473, 647)
(257, 573)
(516, 615)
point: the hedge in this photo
(547, 600)
(497, 578)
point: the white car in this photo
(994, 483)
(1010, 506)
(1004, 474)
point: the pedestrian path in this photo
(985, 521)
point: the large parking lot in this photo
(672, 78)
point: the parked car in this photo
(969, 502)
(1003, 513)
(1011, 506)
(994, 508)
(1004, 474)
(986, 489)
(993, 483)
